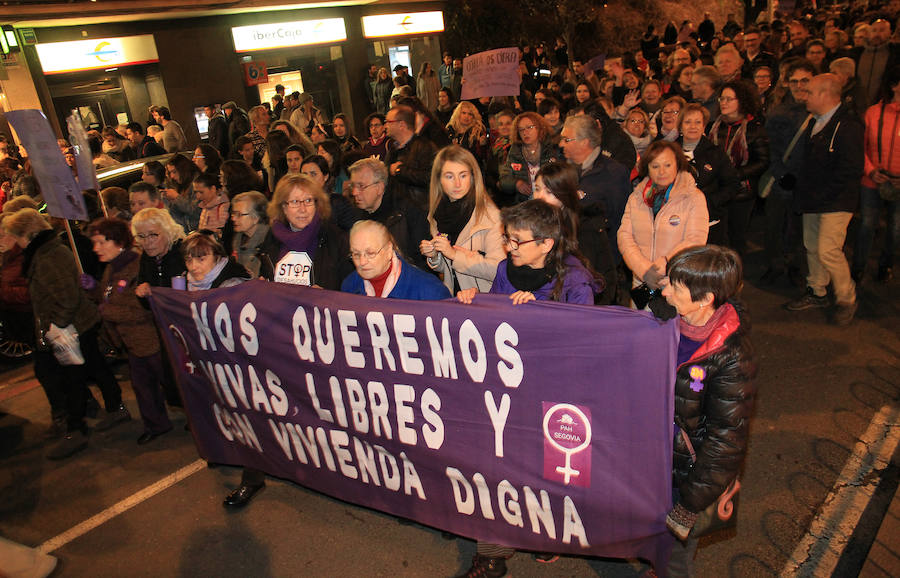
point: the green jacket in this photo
(56, 295)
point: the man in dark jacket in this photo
(144, 146)
(237, 119)
(409, 157)
(616, 144)
(217, 131)
(603, 181)
(405, 221)
(783, 224)
(827, 193)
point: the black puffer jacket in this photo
(714, 409)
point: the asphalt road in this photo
(819, 388)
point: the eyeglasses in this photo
(670, 112)
(199, 157)
(568, 139)
(796, 81)
(524, 128)
(635, 121)
(295, 203)
(726, 98)
(362, 187)
(146, 236)
(514, 244)
(357, 256)
(237, 214)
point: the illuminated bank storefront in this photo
(408, 39)
(110, 81)
(318, 56)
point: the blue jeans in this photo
(870, 207)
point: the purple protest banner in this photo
(491, 73)
(543, 426)
(58, 186)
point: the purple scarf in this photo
(305, 240)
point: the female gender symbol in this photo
(569, 436)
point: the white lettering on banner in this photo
(305, 445)
(228, 381)
(498, 418)
(249, 339)
(379, 410)
(470, 344)
(295, 268)
(540, 512)
(236, 427)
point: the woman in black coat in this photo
(741, 134)
(714, 392)
(713, 171)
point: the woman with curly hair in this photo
(532, 147)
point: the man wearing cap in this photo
(403, 78)
(238, 121)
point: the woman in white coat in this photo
(466, 243)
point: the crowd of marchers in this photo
(627, 180)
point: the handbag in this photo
(886, 190)
(767, 180)
(720, 514)
(65, 344)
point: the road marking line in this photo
(121, 507)
(819, 551)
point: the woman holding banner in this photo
(380, 270)
(714, 393)
(466, 242)
(543, 262)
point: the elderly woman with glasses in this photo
(311, 250)
(532, 147)
(252, 241)
(159, 238)
(382, 272)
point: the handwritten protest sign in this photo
(58, 186)
(87, 174)
(545, 426)
(491, 73)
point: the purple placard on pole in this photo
(491, 73)
(544, 426)
(58, 186)
(596, 63)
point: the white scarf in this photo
(389, 283)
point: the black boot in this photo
(484, 567)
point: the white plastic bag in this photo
(66, 347)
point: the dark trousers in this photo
(147, 374)
(784, 231)
(739, 213)
(718, 233)
(96, 369)
(252, 477)
(870, 207)
(51, 375)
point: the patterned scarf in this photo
(736, 142)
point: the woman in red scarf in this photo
(740, 133)
(714, 393)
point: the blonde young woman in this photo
(466, 129)
(466, 243)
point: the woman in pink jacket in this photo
(665, 213)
